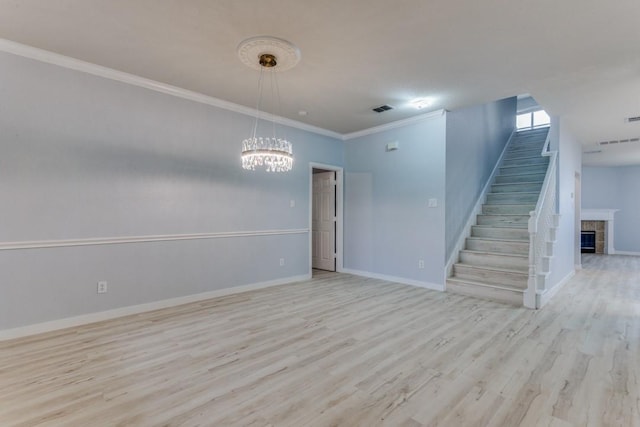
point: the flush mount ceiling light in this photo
(421, 103)
(269, 55)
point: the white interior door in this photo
(323, 221)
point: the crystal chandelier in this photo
(271, 153)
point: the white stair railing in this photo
(541, 229)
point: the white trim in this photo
(41, 55)
(627, 253)
(597, 214)
(544, 297)
(339, 213)
(477, 210)
(68, 62)
(606, 215)
(5, 246)
(84, 319)
(402, 280)
(393, 125)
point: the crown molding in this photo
(68, 62)
(42, 55)
(393, 125)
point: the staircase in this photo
(495, 261)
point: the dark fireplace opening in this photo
(588, 242)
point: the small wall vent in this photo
(382, 108)
(618, 141)
(632, 119)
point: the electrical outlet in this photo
(420, 263)
(102, 287)
(281, 262)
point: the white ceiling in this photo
(579, 59)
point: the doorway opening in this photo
(325, 218)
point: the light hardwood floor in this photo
(341, 350)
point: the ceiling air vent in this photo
(382, 108)
(621, 141)
(632, 119)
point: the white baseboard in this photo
(627, 253)
(546, 296)
(84, 319)
(402, 280)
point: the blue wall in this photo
(476, 137)
(388, 226)
(566, 247)
(615, 188)
(86, 157)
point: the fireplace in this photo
(597, 231)
(588, 242)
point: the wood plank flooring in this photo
(341, 350)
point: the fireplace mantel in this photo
(602, 215)
(597, 214)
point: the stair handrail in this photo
(541, 223)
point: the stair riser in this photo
(469, 272)
(540, 135)
(520, 248)
(527, 161)
(516, 187)
(505, 296)
(511, 199)
(526, 145)
(534, 169)
(512, 179)
(497, 261)
(519, 142)
(511, 154)
(504, 220)
(507, 209)
(500, 233)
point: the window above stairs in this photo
(533, 120)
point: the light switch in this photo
(292, 203)
(433, 203)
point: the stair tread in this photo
(499, 214)
(519, 227)
(487, 268)
(525, 150)
(493, 239)
(488, 285)
(512, 204)
(512, 255)
(520, 183)
(491, 227)
(540, 168)
(520, 174)
(538, 157)
(517, 192)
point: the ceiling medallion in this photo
(251, 49)
(268, 55)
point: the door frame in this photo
(577, 206)
(339, 212)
